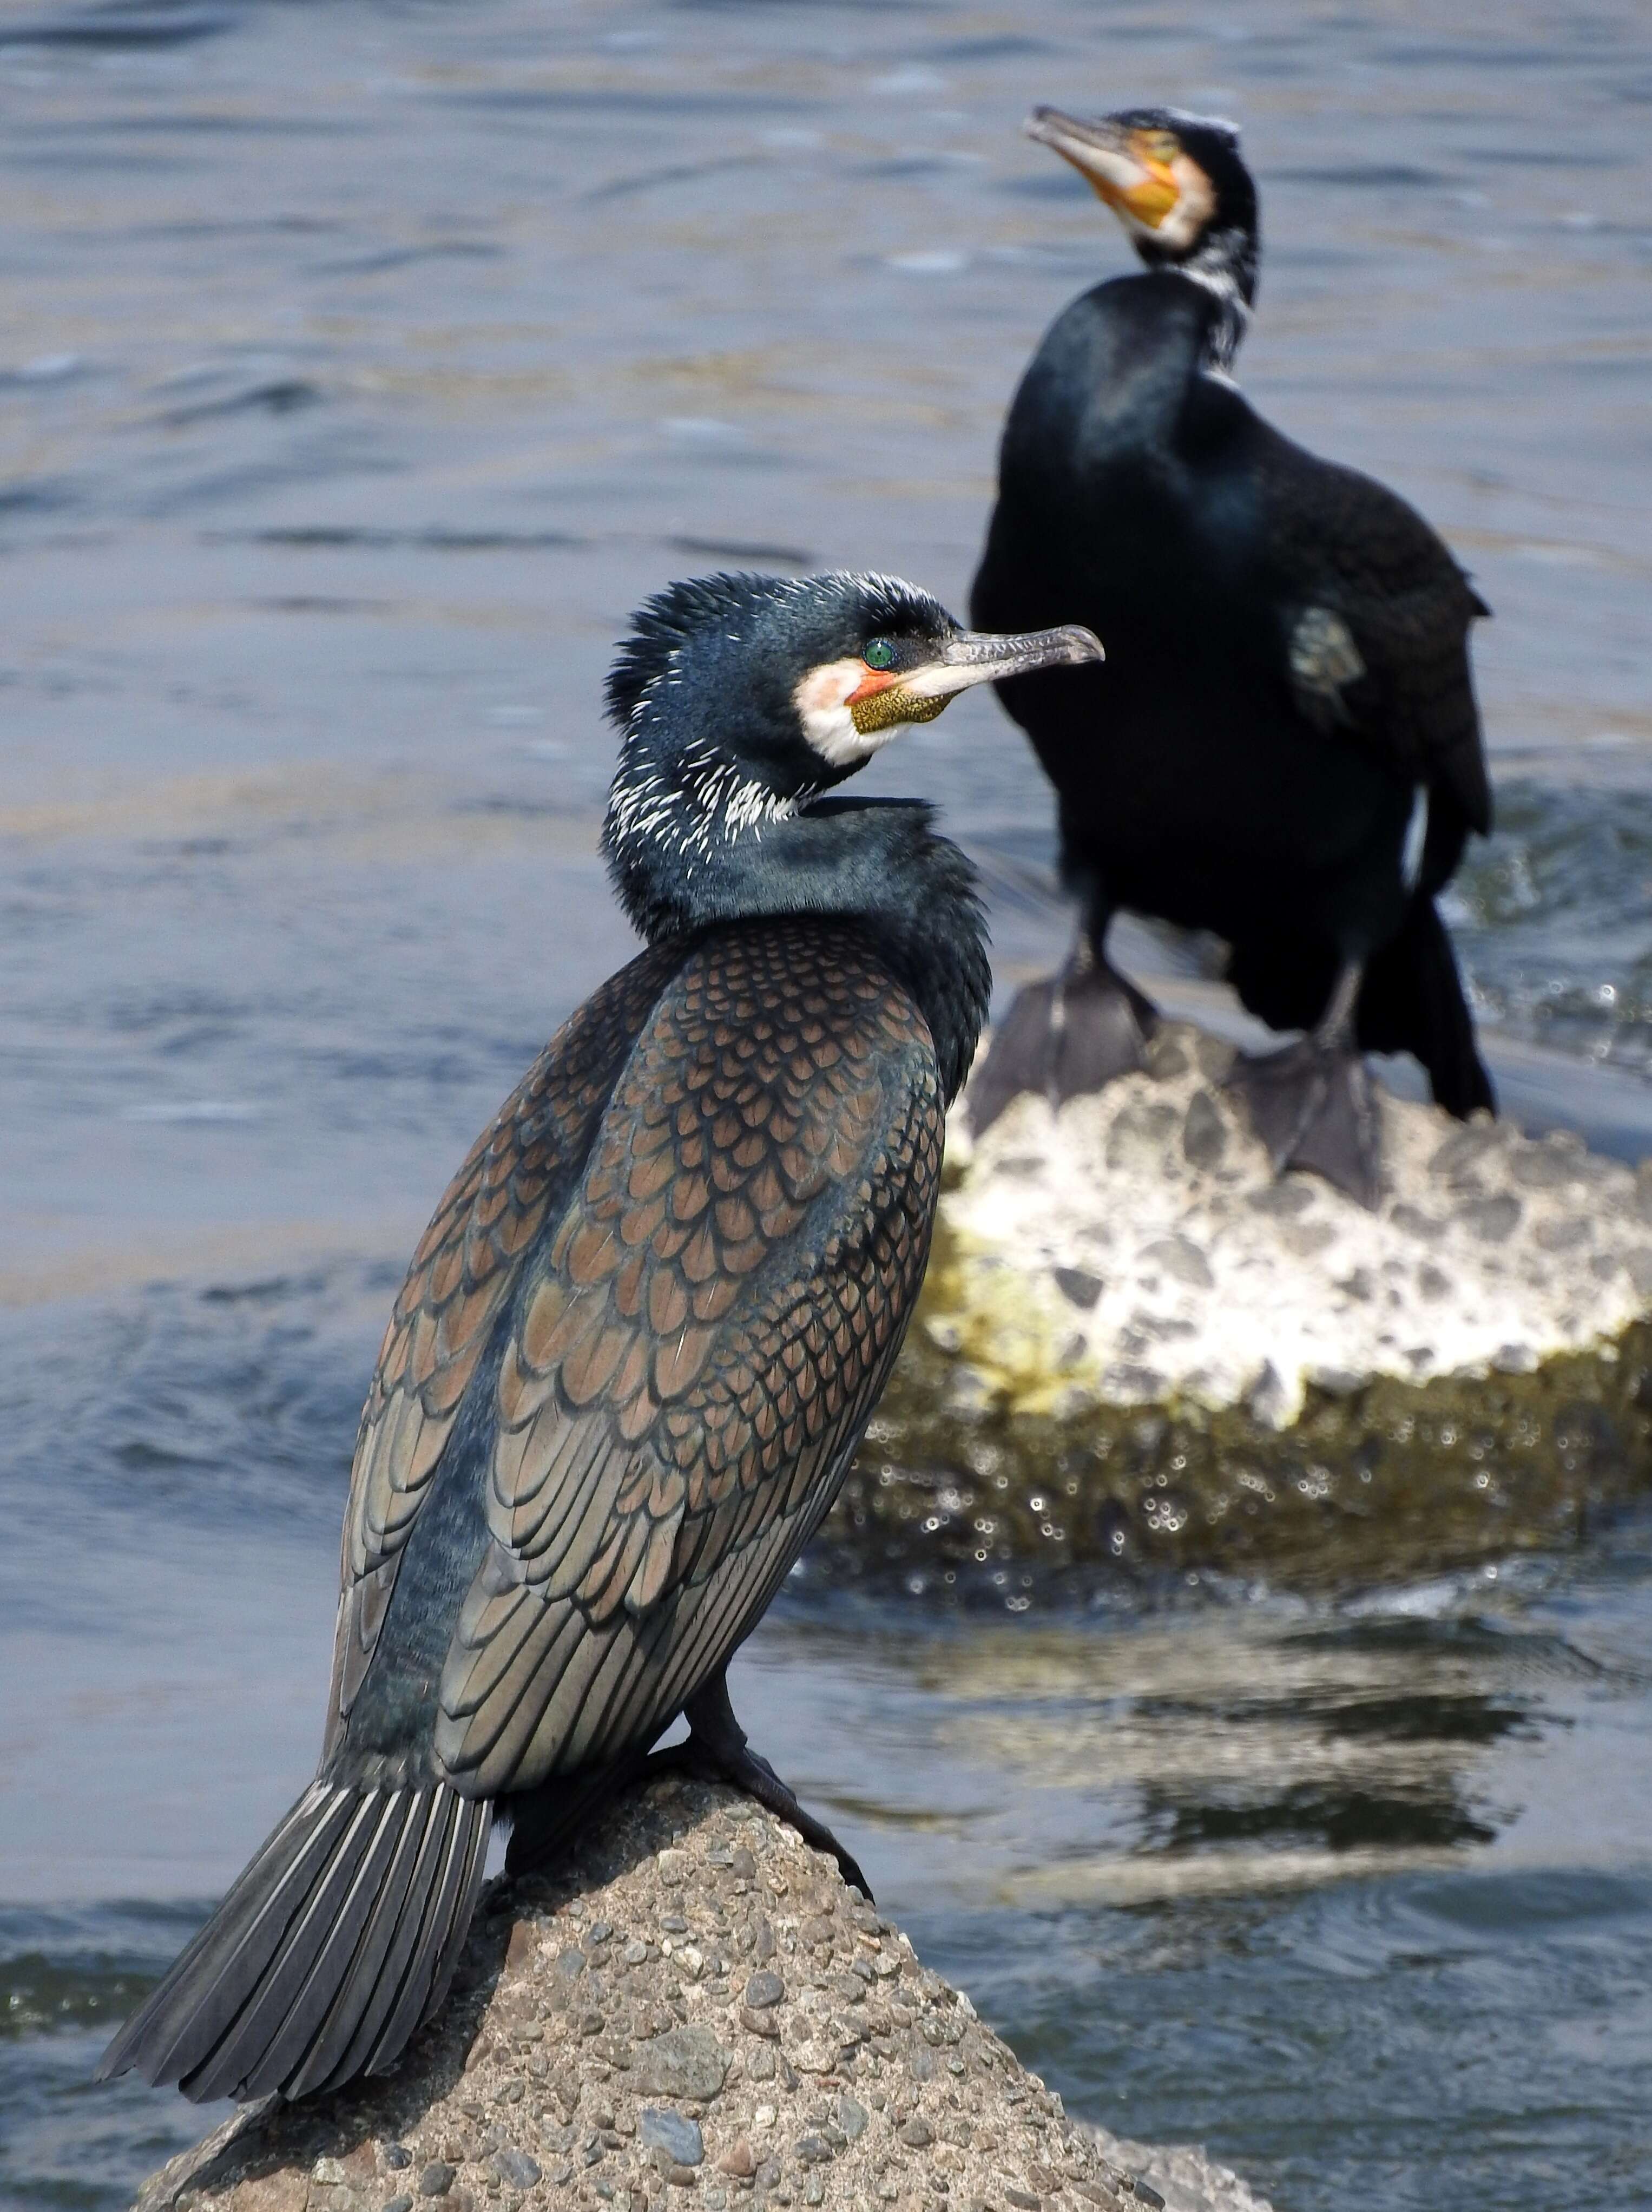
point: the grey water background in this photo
(361, 366)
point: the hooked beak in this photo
(976, 657)
(1114, 169)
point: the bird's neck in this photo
(1222, 268)
(685, 859)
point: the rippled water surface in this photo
(359, 367)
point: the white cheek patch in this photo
(822, 700)
(1193, 209)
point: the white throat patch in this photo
(821, 699)
(1195, 205)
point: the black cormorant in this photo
(645, 1330)
(1283, 747)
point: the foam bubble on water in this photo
(702, 430)
(937, 263)
(192, 1109)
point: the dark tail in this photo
(338, 1940)
(1412, 1001)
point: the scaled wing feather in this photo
(461, 1279)
(699, 1348)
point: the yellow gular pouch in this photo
(881, 710)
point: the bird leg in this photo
(1066, 1036)
(716, 1750)
(1312, 1103)
(545, 1821)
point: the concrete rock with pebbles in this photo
(1138, 1347)
(1135, 1246)
(694, 2009)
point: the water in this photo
(360, 367)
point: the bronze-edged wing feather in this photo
(461, 1278)
(1363, 570)
(696, 1352)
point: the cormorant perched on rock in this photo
(645, 1330)
(1283, 746)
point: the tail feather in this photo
(456, 1877)
(196, 2002)
(338, 1940)
(344, 2044)
(1411, 1000)
(279, 2013)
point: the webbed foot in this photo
(1070, 1034)
(1314, 1105)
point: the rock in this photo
(1181, 1258)
(921, 2093)
(1514, 1359)
(272, 2192)
(1167, 1055)
(1140, 1132)
(1493, 1220)
(678, 2137)
(1335, 1387)
(1544, 1168)
(1336, 1382)
(1182, 2180)
(1462, 1149)
(683, 2061)
(1291, 1196)
(1267, 1400)
(1205, 1132)
(1563, 1236)
(1412, 1221)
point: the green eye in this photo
(880, 653)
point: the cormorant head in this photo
(740, 698)
(1175, 181)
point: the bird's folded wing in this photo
(691, 1365)
(518, 1174)
(1379, 634)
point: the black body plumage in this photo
(1283, 747)
(640, 1340)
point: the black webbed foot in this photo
(1062, 1037)
(716, 1750)
(1314, 1106)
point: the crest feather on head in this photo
(758, 612)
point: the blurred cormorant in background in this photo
(1283, 747)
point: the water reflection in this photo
(1334, 1889)
(1211, 1747)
